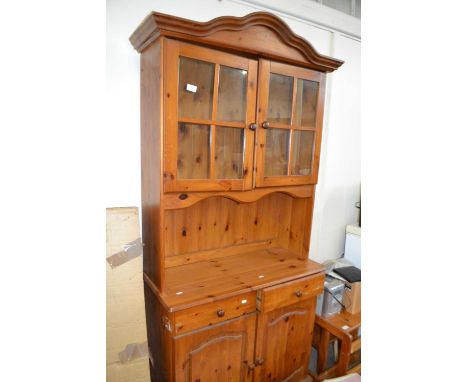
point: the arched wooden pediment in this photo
(261, 34)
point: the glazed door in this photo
(284, 338)
(209, 104)
(290, 115)
(223, 352)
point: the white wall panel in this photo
(340, 174)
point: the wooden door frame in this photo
(173, 49)
(243, 327)
(265, 68)
(265, 320)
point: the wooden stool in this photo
(343, 327)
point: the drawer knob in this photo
(220, 312)
(266, 125)
(298, 293)
(253, 126)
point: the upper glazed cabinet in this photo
(210, 105)
(290, 113)
(235, 123)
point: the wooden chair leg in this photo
(345, 353)
(355, 369)
(354, 333)
(323, 350)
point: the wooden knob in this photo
(266, 125)
(298, 293)
(220, 312)
(253, 126)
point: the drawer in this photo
(277, 296)
(209, 314)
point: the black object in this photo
(350, 274)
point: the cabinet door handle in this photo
(253, 126)
(266, 125)
(220, 312)
(298, 293)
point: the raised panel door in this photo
(290, 116)
(284, 338)
(209, 104)
(222, 352)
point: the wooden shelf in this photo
(203, 282)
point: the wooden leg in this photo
(345, 353)
(323, 350)
(355, 369)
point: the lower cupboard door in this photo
(222, 352)
(284, 340)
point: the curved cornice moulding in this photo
(296, 49)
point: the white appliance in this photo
(353, 245)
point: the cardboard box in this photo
(127, 358)
(352, 297)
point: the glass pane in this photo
(303, 150)
(229, 153)
(280, 99)
(306, 103)
(193, 160)
(231, 94)
(277, 152)
(195, 88)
